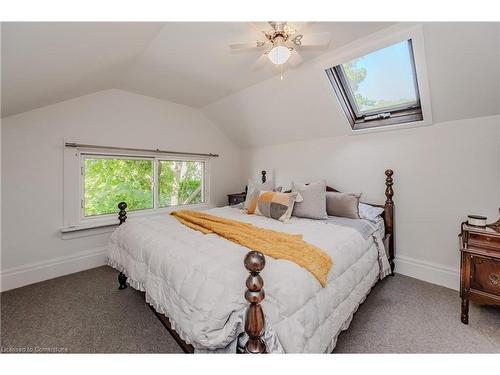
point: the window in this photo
(181, 182)
(108, 181)
(144, 182)
(380, 88)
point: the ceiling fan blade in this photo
(295, 59)
(300, 27)
(314, 40)
(247, 45)
(261, 27)
(261, 61)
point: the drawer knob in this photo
(494, 278)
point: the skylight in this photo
(379, 88)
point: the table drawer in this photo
(235, 199)
(483, 240)
(485, 274)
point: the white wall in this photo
(32, 166)
(441, 173)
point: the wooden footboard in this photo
(255, 262)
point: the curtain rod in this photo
(73, 144)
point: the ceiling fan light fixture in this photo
(279, 54)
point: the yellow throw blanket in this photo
(269, 242)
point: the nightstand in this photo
(480, 267)
(236, 198)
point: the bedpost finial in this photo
(254, 318)
(263, 176)
(255, 261)
(122, 215)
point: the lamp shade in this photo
(279, 54)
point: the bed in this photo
(196, 283)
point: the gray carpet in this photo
(82, 313)
(86, 313)
(406, 315)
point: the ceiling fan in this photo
(281, 42)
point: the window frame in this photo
(401, 114)
(339, 69)
(157, 185)
(74, 187)
(83, 157)
(371, 43)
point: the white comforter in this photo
(198, 280)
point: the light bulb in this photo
(279, 54)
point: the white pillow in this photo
(369, 212)
(253, 186)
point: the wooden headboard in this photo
(388, 214)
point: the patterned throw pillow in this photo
(255, 194)
(275, 205)
(254, 187)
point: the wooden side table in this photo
(480, 267)
(236, 198)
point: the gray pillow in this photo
(255, 187)
(313, 205)
(343, 204)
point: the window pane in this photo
(110, 181)
(382, 79)
(181, 182)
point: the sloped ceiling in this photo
(191, 64)
(186, 63)
(463, 73)
(45, 63)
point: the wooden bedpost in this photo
(122, 280)
(263, 176)
(122, 216)
(389, 214)
(254, 318)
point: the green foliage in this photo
(178, 181)
(354, 74)
(110, 181)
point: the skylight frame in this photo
(364, 46)
(353, 102)
(389, 115)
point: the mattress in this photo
(198, 280)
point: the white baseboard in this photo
(35, 272)
(427, 271)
